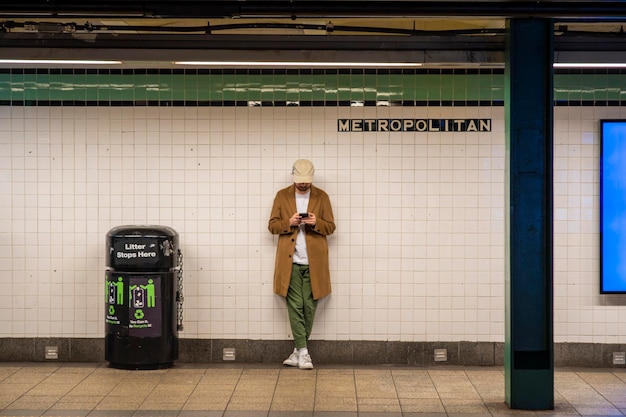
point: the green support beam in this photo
(529, 341)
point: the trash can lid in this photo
(153, 231)
(142, 248)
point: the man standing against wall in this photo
(302, 217)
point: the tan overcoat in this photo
(316, 244)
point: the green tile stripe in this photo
(30, 86)
(42, 85)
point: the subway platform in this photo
(188, 390)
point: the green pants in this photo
(300, 305)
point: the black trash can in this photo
(143, 297)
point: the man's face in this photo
(303, 187)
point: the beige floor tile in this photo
(563, 407)
(286, 403)
(340, 385)
(323, 393)
(287, 385)
(290, 382)
(60, 381)
(341, 381)
(456, 392)
(418, 377)
(613, 393)
(166, 399)
(255, 375)
(371, 385)
(410, 374)
(137, 389)
(15, 388)
(598, 411)
(501, 408)
(23, 378)
(218, 403)
(106, 371)
(583, 397)
(454, 385)
(5, 403)
(248, 391)
(37, 402)
(470, 406)
(295, 390)
(417, 392)
(51, 389)
(477, 374)
(47, 369)
(7, 371)
(242, 396)
(182, 380)
(175, 372)
(570, 382)
(421, 405)
(177, 389)
(252, 403)
(161, 406)
(337, 404)
(481, 386)
(199, 394)
(378, 405)
(91, 388)
(9, 397)
(334, 372)
(127, 402)
(209, 392)
(80, 398)
(621, 376)
(599, 378)
(376, 394)
(450, 376)
(229, 373)
(493, 398)
(412, 382)
(94, 378)
(215, 387)
(263, 374)
(193, 406)
(85, 405)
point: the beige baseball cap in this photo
(303, 171)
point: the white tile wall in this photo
(418, 254)
(581, 313)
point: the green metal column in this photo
(529, 342)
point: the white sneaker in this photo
(304, 360)
(293, 359)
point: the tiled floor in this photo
(62, 389)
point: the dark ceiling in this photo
(314, 8)
(440, 32)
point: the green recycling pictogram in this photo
(139, 314)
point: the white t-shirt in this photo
(300, 256)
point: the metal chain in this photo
(179, 293)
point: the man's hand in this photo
(295, 220)
(309, 220)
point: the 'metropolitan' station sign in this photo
(414, 125)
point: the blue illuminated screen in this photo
(613, 206)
